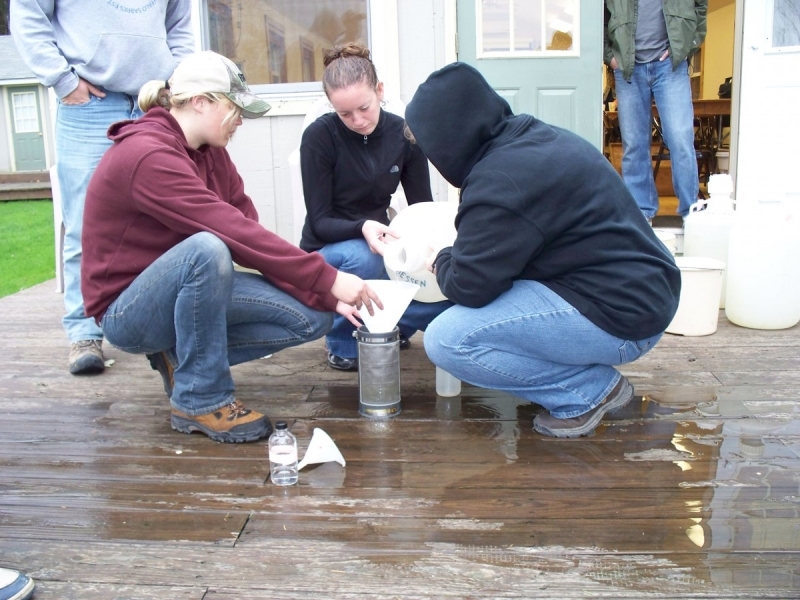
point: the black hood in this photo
(454, 115)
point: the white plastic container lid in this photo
(720, 183)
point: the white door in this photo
(769, 101)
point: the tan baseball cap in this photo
(208, 71)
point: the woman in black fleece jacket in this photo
(556, 275)
(352, 161)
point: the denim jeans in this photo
(354, 256)
(207, 316)
(673, 96)
(81, 142)
(531, 343)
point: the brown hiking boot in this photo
(86, 357)
(231, 423)
(586, 423)
(160, 362)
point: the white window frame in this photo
(294, 98)
(25, 115)
(512, 52)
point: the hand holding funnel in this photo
(321, 449)
(395, 296)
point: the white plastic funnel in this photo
(321, 449)
(395, 296)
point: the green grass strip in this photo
(26, 244)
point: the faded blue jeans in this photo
(207, 316)
(673, 95)
(531, 343)
(354, 256)
(81, 142)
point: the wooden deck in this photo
(692, 491)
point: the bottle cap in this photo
(281, 425)
(720, 184)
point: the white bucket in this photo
(723, 161)
(701, 287)
(668, 238)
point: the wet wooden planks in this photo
(690, 491)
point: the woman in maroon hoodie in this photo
(166, 217)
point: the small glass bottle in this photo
(282, 455)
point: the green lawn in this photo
(26, 244)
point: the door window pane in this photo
(526, 28)
(26, 119)
(786, 23)
(282, 41)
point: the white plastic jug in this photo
(763, 284)
(708, 225)
(422, 226)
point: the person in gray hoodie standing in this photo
(95, 54)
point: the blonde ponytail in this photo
(154, 93)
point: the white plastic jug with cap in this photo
(707, 227)
(422, 227)
(763, 284)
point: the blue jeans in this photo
(80, 144)
(207, 316)
(531, 343)
(673, 96)
(354, 256)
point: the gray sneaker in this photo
(86, 357)
(586, 423)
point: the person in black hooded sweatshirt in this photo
(555, 274)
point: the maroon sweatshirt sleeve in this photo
(193, 206)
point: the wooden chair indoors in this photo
(704, 156)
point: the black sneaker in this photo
(547, 424)
(405, 343)
(342, 364)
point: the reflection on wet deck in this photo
(691, 491)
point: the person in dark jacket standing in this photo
(352, 161)
(555, 273)
(166, 217)
(647, 45)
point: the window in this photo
(785, 24)
(527, 28)
(26, 117)
(276, 53)
(282, 41)
(307, 52)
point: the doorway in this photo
(26, 129)
(710, 68)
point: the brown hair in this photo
(346, 65)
